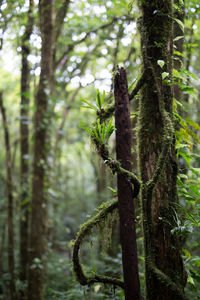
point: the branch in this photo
(72, 45)
(106, 114)
(116, 167)
(83, 232)
(29, 27)
(65, 113)
(138, 86)
(131, 51)
(59, 20)
(116, 50)
(168, 136)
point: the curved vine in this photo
(85, 230)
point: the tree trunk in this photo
(157, 158)
(2, 248)
(125, 196)
(39, 197)
(11, 260)
(24, 131)
(177, 32)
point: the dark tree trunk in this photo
(178, 32)
(39, 188)
(125, 196)
(24, 131)
(2, 248)
(11, 260)
(157, 158)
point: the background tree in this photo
(9, 191)
(24, 132)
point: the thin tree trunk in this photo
(178, 32)
(24, 143)
(39, 197)
(2, 246)
(157, 158)
(125, 197)
(9, 185)
(188, 59)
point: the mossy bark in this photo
(24, 144)
(39, 203)
(10, 205)
(162, 248)
(179, 44)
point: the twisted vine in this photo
(84, 231)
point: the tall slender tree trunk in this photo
(39, 197)
(9, 186)
(178, 32)
(24, 143)
(157, 158)
(125, 196)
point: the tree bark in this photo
(157, 158)
(9, 185)
(24, 144)
(2, 248)
(39, 197)
(177, 32)
(125, 197)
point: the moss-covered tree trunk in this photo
(157, 158)
(9, 191)
(125, 195)
(24, 143)
(179, 44)
(39, 198)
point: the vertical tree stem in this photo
(24, 144)
(11, 260)
(125, 198)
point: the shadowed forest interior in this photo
(100, 150)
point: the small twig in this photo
(138, 86)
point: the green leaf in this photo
(180, 24)
(98, 100)
(178, 38)
(85, 127)
(110, 128)
(178, 53)
(161, 63)
(190, 280)
(112, 190)
(103, 97)
(94, 269)
(188, 73)
(164, 75)
(91, 106)
(103, 132)
(193, 124)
